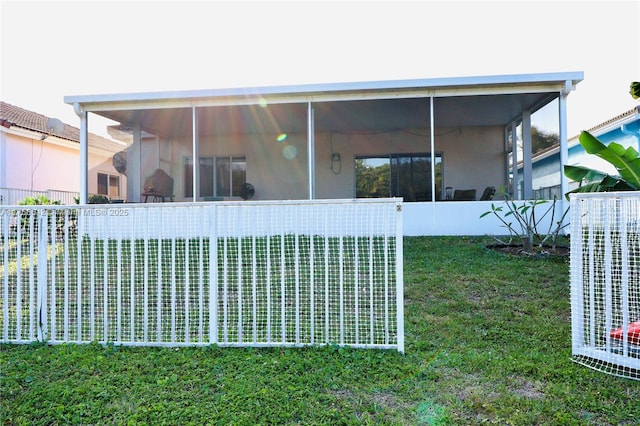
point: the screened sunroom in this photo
(439, 144)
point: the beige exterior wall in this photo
(473, 158)
(30, 163)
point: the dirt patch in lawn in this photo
(539, 252)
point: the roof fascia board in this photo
(55, 140)
(303, 98)
(456, 86)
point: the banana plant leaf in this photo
(595, 181)
(635, 89)
(625, 160)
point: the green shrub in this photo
(37, 201)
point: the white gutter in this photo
(454, 86)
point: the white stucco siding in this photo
(278, 169)
(473, 157)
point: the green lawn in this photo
(487, 341)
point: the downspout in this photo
(84, 153)
(564, 147)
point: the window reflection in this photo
(398, 175)
(219, 176)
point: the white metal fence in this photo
(605, 282)
(226, 273)
(12, 196)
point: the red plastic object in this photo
(633, 333)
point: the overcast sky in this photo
(53, 49)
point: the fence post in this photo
(42, 231)
(399, 278)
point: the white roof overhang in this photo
(382, 105)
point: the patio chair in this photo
(464, 195)
(488, 193)
(633, 333)
(159, 186)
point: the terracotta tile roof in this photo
(632, 112)
(11, 115)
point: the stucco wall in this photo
(473, 158)
(38, 165)
(41, 165)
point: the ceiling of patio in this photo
(336, 116)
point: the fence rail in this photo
(225, 273)
(12, 196)
(605, 282)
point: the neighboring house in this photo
(41, 155)
(409, 138)
(623, 129)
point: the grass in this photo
(487, 341)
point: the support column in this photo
(564, 145)
(507, 129)
(84, 154)
(514, 161)
(527, 168)
(196, 154)
(134, 179)
(311, 161)
(3, 161)
(432, 137)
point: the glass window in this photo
(108, 185)
(206, 177)
(219, 176)
(223, 177)
(114, 186)
(238, 175)
(398, 175)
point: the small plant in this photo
(94, 199)
(37, 200)
(524, 223)
(98, 199)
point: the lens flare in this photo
(262, 102)
(282, 137)
(289, 152)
